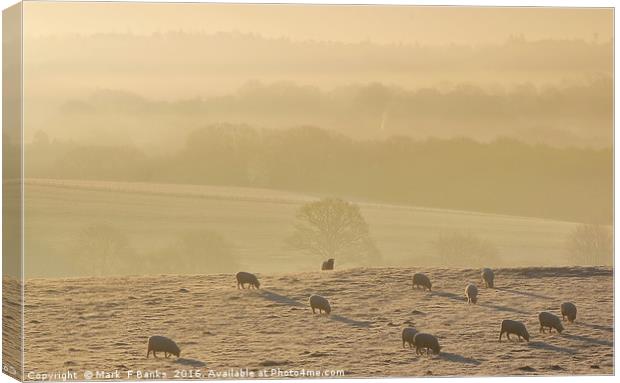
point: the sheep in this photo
(328, 265)
(487, 277)
(420, 279)
(161, 343)
(408, 335)
(243, 278)
(318, 302)
(514, 327)
(549, 320)
(427, 341)
(471, 292)
(569, 311)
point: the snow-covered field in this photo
(102, 324)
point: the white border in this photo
(491, 3)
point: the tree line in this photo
(503, 176)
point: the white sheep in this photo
(159, 343)
(249, 278)
(550, 320)
(488, 277)
(569, 311)
(514, 327)
(427, 341)
(318, 302)
(471, 292)
(408, 334)
(420, 279)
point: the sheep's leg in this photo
(508, 335)
(238, 288)
(410, 344)
(500, 336)
(154, 354)
(165, 355)
(148, 351)
(313, 312)
(541, 329)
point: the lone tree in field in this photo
(331, 228)
(591, 244)
(105, 248)
(464, 249)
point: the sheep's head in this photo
(559, 327)
(526, 335)
(257, 284)
(474, 299)
(328, 309)
(176, 352)
(436, 349)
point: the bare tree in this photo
(103, 245)
(457, 248)
(591, 244)
(331, 228)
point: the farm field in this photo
(256, 222)
(106, 322)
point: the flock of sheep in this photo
(421, 341)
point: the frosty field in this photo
(102, 324)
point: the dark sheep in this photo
(328, 265)
(159, 343)
(514, 327)
(488, 277)
(249, 278)
(420, 279)
(408, 335)
(551, 321)
(569, 311)
(427, 341)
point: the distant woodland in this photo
(503, 176)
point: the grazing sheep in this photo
(159, 343)
(427, 341)
(569, 311)
(318, 302)
(243, 278)
(420, 279)
(487, 277)
(471, 292)
(328, 265)
(514, 327)
(408, 334)
(549, 320)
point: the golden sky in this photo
(383, 24)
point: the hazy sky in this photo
(92, 69)
(385, 24)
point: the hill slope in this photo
(256, 221)
(103, 323)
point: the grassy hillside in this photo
(254, 221)
(107, 322)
